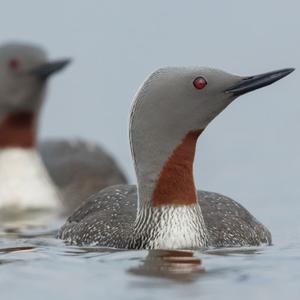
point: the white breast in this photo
(24, 181)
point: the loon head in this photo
(24, 70)
(171, 109)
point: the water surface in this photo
(34, 265)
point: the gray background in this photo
(250, 152)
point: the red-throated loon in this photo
(77, 168)
(170, 111)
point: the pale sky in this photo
(251, 152)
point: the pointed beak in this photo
(248, 84)
(45, 70)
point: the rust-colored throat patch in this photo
(175, 185)
(17, 130)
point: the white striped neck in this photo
(170, 227)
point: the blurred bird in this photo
(63, 173)
(165, 211)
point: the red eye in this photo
(14, 64)
(199, 83)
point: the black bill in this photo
(45, 70)
(252, 83)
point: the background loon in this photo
(25, 183)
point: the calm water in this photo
(34, 265)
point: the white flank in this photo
(24, 181)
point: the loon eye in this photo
(14, 63)
(199, 83)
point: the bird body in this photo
(109, 218)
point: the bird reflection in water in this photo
(176, 265)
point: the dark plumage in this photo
(79, 169)
(107, 219)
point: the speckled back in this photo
(108, 217)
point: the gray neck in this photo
(151, 147)
(164, 226)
